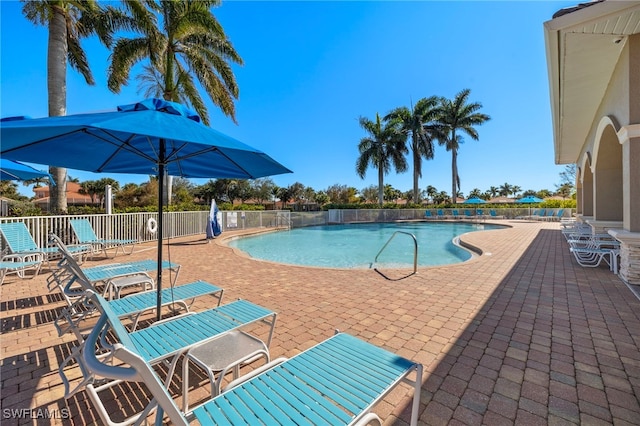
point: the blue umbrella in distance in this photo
(151, 137)
(475, 200)
(530, 199)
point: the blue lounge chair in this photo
(86, 235)
(440, 214)
(428, 214)
(23, 248)
(467, 213)
(455, 213)
(494, 215)
(164, 342)
(336, 382)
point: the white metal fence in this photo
(181, 224)
(134, 225)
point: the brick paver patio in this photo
(519, 335)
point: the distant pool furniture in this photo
(494, 215)
(23, 247)
(86, 235)
(12, 265)
(428, 214)
(467, 213)
(440, 214)
(455, 213)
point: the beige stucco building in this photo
(593, 58)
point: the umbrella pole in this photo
(160, 216)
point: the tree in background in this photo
(186, 47)
(431, 192)
(475, 192)
(458, 115)
(505, 190)
(383, 148)
(567, 185)
(418, 123)
(68, 22)
(321, 198)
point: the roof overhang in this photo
(583, 47)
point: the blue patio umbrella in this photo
(151, 137)
(13, 170)
(474, 200)
(530, 199)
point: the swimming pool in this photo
(356, 245)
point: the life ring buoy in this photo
(152, 225)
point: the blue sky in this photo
(313, 68)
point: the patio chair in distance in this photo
(336, 382)
(86, 235)
(23, 248)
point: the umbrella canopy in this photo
(152, 137)
(530, 199)
(13, 170)
(474, 200)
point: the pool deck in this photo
(519, 335)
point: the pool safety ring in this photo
(152, 225)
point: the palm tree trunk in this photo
(380, 186)
(416, 160)
(57, 92)
(454, 176)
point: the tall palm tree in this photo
(383, 148)
(186, 46)
(68, 21)
(183, 42)
(458, 115)
(419, 124)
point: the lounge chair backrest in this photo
(17, 237)
(479, 212)
(83, 230)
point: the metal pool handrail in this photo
(415, 248)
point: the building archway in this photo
(607, 173)
(585, 204)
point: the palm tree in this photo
(183, 42)
(493, 191)
(431, 192)
(188, 42)
(383, 148)
(456, 116)
(419, 124)
(506, 189)
(68, 21)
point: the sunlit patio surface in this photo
(521, 334)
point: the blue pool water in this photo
(356, 246)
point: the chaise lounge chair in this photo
(336, 382)
(23, 247)
(164, 342)
(86, 235)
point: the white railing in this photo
(134, 225)
(181, 224)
